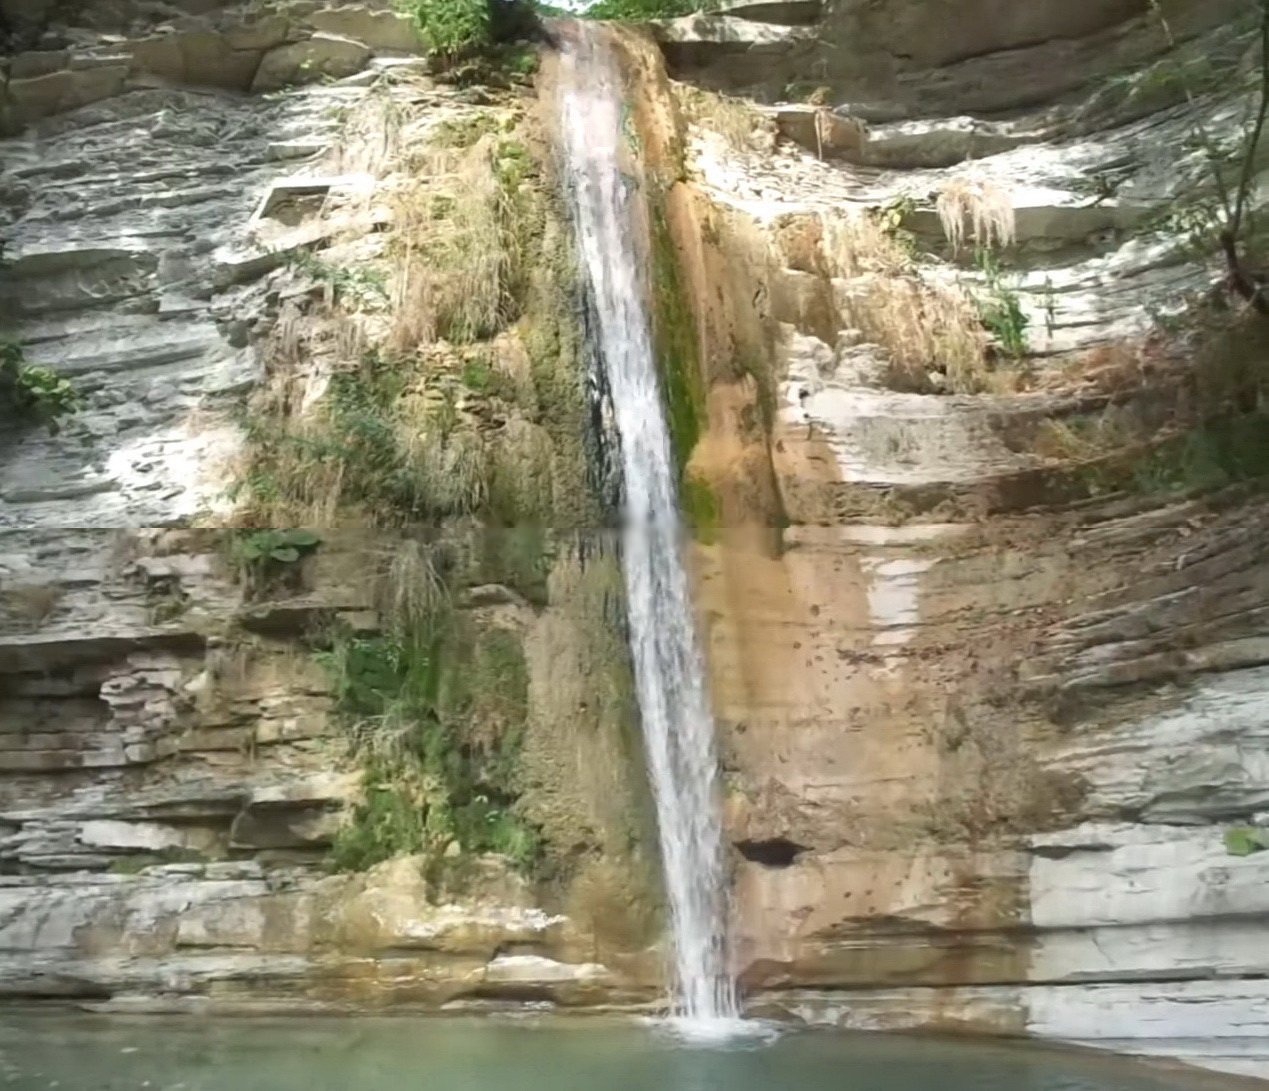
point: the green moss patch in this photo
(436, 716)
(700, 508)
(678, 354)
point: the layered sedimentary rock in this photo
(174, 764)
(988, 653)
(130, 261)
(989, 703)
(174, 776)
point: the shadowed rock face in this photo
(926, 59)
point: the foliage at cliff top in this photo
(637, 10)
(456, 29)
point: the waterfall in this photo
(678, 728)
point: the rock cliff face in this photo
(989, 699)
(174, 776)
(986, 616)
(177, 767)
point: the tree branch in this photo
(1253, 144)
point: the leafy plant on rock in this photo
(32, 393)
(1224, 217)
(452, 28)
(435, 714)
(1246, 840)
(267, 558)
(456, 30)
(1000, 310)
(358, 288)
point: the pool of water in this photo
(71, 1053)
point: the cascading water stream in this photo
(678, 727)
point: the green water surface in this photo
(77, 1053)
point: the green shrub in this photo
(388, 823)
(638, 10)
(458, 29)
(267, 558)
(33, 394)
(367, 445)
(359, 288)
(453, 28)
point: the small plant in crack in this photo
(31, 393)
(999, 309)
(267, 559)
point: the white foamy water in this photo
(678, 728)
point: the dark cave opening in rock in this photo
(775, 852)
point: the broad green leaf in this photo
(1245, 840)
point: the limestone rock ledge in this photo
(233, 937)
(172, 779)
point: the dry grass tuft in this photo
(1080, 439)
(456, 257)
(450, 466)
(736, 121)
(923, 327)
(973, 206)
(413, 591)
(372, 411)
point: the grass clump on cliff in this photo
(736, 121)
(461, 237)
(931, 331)
(434, 709)
(1183, 460)
(391, 413)
(375, 443)
(1182, 418)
